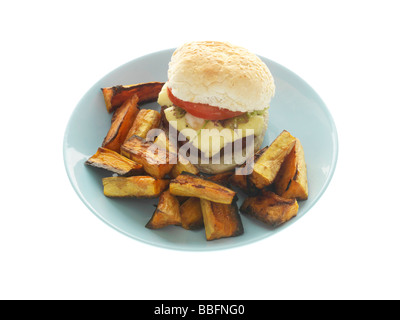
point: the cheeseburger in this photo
(217, 97)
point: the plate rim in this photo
(174, 247)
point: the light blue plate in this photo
(296, 107)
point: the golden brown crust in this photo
(220, 74)
(115, 96)
(270, 208)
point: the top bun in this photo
(220, 74)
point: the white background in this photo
(53, 247)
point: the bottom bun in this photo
(211, 168)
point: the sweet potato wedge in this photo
(245, 184)
(115, 96)
(221, 220)
(221, 178)
(183, 165)
(146, 120)
(270, 208)
(136, 187)
(243, 180)
(191, 215)
(167, 212)
(286, 172)
(269, 163)
(157, 162)
(163, 142)
(239, 181)
(189, 185)
(291, 181)
(121, 122)
(114, 162)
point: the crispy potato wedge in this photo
(191, 215)
(222, 178)
(115, 96)
(136, 187)
(167, 212)
(221, 220)
(239, 181)
(163, 141)
(286, 172)
(269, 163)
(183, 164)
(298, 188)
(291, 181)
(270, 208)
(182, 199)
(156, 161)
(189, 185)
(146, 120)
(243, 180)
(121, 122)
(114, 162)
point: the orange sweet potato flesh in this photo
(121, 123)
(114, 162)
(183, 164)
(115, 96)
(146, 120)
(297, 186)
(286, 173)
(269, 163)
(222, 178)
(189, 185)
(221, 220)
(136, 187)
(191, 215)
(243, 180)
(156, 161)
(270, 208)
(167, 212)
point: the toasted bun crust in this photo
(224, 167)
(220, 74)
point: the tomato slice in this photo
(202, 110)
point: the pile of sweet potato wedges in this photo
(154, 169)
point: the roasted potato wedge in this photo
(270, 208)
(191, 215)
(114, 162)
(146, 120)
(221, 178)
(269, 163)
(286, 172)
(221, 220)
(136, 187)
(240, 181)
(167, 212)
(115, 96)
(163, 141)
(245, 184)
(189, 185)
(183, 164)
(121, 122)
(243, 180)
(291, 181)
(157, 162)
